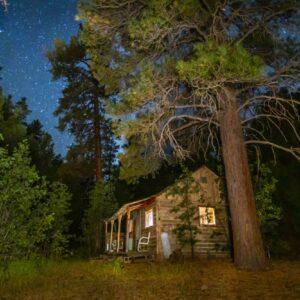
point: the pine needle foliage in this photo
(103, 204)
(226, 62)
(269, 212)
(185, 209)
(166, 55)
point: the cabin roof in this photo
(123, 210)
(135, 204)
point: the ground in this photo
(201, 279)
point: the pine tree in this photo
(81, 108)
(42, 152)
(197, 75)
(102, 205)
(12, 120)
(185, 209)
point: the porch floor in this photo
(133, 256)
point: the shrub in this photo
(102, 205)
(32, 212)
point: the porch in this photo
(123, 230)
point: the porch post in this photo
(106, 236)
(119, 232)
(127, 230)
(111, 234)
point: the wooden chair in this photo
(144, 240)
(113, 246)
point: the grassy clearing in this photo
(203, 279)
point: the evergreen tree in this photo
(32, 213)
(42, 152)
(77, 172)
(269, 212)
(102, 205)
(14, 129)
(12, 120)
(57, 235)
(185, 209)
(197, 76)
(81, 109)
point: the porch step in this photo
(140, 257)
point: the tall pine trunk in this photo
(247, 240)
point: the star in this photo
(27, 30)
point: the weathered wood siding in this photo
(212, 239)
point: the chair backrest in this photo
(144, 240)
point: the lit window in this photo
(149, 218)
(207, 216)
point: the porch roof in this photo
(129, 207)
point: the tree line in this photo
(34, 205)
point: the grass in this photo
(202, 279)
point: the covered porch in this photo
(124, 229)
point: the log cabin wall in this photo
(212, 239)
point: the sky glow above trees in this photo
(27, 30)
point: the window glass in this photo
(207, 215)
(149, 218)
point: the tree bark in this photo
(247, 240)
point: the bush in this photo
(103, 204)
(269, 212)
(32, 212)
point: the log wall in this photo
(211, 239)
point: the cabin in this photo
(147, 225)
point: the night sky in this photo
(27, 30)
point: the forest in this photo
(154, 90)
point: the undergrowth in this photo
(211, 279)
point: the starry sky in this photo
(27, 30)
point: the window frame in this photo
(206, 222)
(147, 213)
